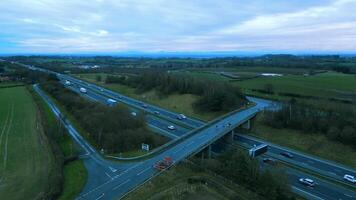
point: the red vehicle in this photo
(163, 164)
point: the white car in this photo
(156, 112)
(83, 90)
(350, 178)
(133, 114)
(307, 181)
(181, 116)
(171, 127)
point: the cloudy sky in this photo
(100, 26)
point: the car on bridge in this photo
(163, 164)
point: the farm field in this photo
(327, 85)
(25, 158)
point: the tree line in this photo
(64, 63)
(334, 122)
(113, 129)
(237, 166)
(214, 96)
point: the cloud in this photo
(177, 25)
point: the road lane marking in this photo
(112, 169)
(101, 196)
(305, 192)
(202, 136)
(121, 184)
(143, 171)
(190, 143)
(176, 151)
(108, 175)
(332, 173)
(348, 195)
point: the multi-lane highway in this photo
(317, 165)
(323, 190)
(178, 152)
(119, 182)
(312, 163)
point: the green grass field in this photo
(174, 184)
(175, 102)
(75, 176)
(25, 155)
(327, 85)
(313, 144)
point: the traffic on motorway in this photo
(174, 117)
(337, 192)
(327, 168)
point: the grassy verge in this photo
(184, 181)
(175, 102)
(75, 174)
(314, 144)
(26, 156)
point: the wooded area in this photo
(113, 129)
(237, 166)
(214, 96)
(337, 123)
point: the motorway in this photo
(317, 165)
(120, 181)
(178, 152)
(324, 190)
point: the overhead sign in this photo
(145, 147)
(258, 150)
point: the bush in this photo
(240, 168)
(336, 124)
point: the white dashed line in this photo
(143, 171)
(121, 184)
(101, 196)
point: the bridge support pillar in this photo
(229, 137)
(206, 153)
(247, 125)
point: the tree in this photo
(269, 88)
(98, 78)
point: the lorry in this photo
(163, 164)
(83, 90)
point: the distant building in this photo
(271, 74)
(89, 66)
